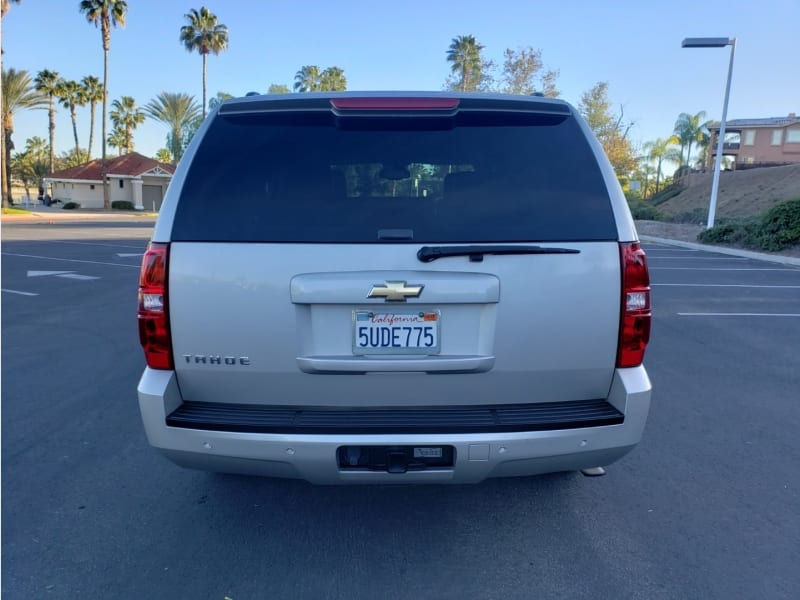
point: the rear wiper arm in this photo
(476, 253)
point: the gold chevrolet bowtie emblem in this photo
(395, 291)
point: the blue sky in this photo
(634, 45)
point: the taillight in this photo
(634, 331)
(153, 314)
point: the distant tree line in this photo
(523, 71)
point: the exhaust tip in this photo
(593, 472)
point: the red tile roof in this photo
(792, 119)
(131, 165)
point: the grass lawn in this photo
(15, 211)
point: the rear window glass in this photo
(313, 178)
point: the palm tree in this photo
(703, 143)
(465, 55)
(47, 83)
(218, 99)
(94, 94)
(70, 158)
(19, 93)
(72, 95)
(307, 79)
(205, 34)
(332, 79)
(118, 139)
(278, 88)
(31, 166)
(673, 155)
(689, 129)
(23, 169)
(36, 147)
(126, 116)
(646, 172)
(163, 156)
(658, 150)
(5, 5)
(177, 111)
(105, 14)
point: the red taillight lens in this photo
(154, 332)
(634, 331)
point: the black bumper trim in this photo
(254, 418)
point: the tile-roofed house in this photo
(765, 141)
(132, 177)
(764, 122)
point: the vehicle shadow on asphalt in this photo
(386, 507)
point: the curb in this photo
(774, 258)
(51, 217)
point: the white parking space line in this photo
(78, 276)
(90, 262)
(64, 274)
(726, 285)
(89, 244)
(46, 273)
(665, 249)
(18, 292)
(739, 314)
(649, 256)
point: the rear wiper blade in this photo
(476, 253)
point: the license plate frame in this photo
(394, 319)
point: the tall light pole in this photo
(716, 43)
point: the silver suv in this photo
(394, 287)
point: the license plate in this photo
(396, 332)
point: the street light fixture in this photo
(716, 43)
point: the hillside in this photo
(741, 193)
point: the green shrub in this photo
(122, 205)
(696, 216)
(739, 232)
(71, 206)
(644, 211)
(776, 229)
(780, 226)
(665, 195)
(633, 195)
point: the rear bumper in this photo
(478, 455)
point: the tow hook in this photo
(396, 462)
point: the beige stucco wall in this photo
(82, 193)
(93, 198)
(124, 193)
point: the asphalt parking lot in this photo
(708, 506)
